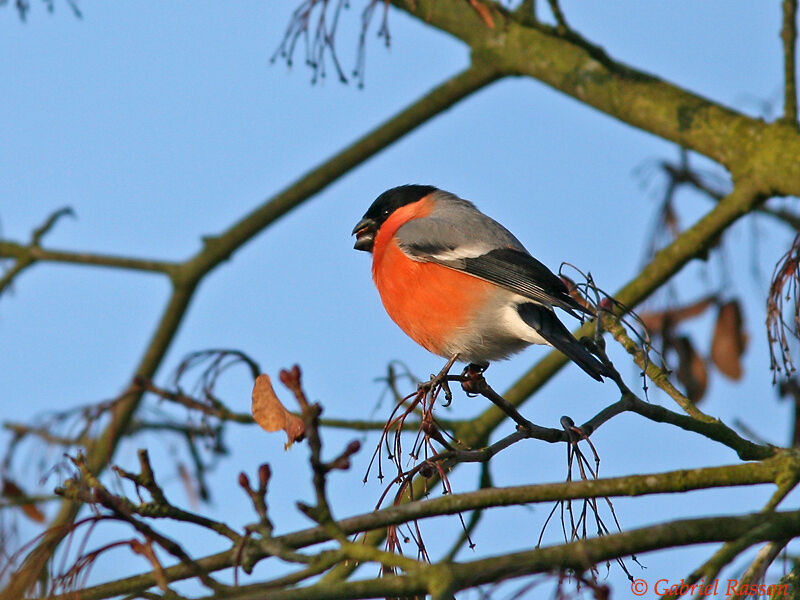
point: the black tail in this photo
(544, 321)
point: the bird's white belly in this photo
(497, 334)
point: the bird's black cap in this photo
(385, 204)
(390, 200)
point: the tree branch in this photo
(223, 413)
(31, 254)
(767, 471)
(744, 145)
(787, 481)
(187, 275)
(576, 556)
(25, 260)
(656, 374)
(682, 174)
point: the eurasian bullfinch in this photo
(460, 284)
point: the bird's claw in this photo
(448, 395)
(439, 381)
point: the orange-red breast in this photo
(460, 284)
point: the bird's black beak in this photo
(365, 231)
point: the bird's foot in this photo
(441, 381)
(472, 380)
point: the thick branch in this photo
(578, 556)
(724, 555)
(768, 152)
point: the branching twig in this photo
(160, 507)
(561, 22)
(313, 23)
(23, 256)
(683, 174)
(656, 374)
(321, 512)
(89, 489)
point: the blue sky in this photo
(161, 124)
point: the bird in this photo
(461, 285)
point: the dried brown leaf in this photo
(671, 220)
(188, 485)
(147, 551)
(692, 371)
(12, 491)
(271, 414)
(730, 340)
(656, 322)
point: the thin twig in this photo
(683, 174)
(757, 569)
(561, 22)
(37, 254)
(789, 38)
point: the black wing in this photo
(518, 272)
